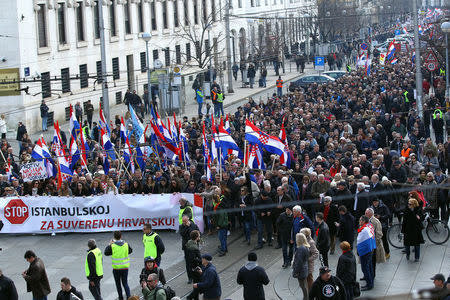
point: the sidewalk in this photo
(239, 94)
(395, 277)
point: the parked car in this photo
(335, 74)
(309, 79)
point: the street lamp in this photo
(147, 37)
(307, 46)
(209, 28)
(445, 27)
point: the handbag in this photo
(356, 289)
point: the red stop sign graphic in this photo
(16, 212)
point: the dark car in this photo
(309, 79)
(335, 74)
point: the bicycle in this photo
(437, 232)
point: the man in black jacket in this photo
(36, 276)
(253, 277)
(264, 218)
(7, 288)
(382, 213)
(344, 195)
(327, 287)
(94, 272)
(346, 269)
(361, 200)
(68, 292)
(331, 216)
(346, 226)
(185, 230)
(323, 238)
(44, 115)
(284, 225)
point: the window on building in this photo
(164, 14)
(178, 54)
(188, 52)
(205, 12)
(186, 13)
(126, 17)
(65, 80)
(143, 57)
(112, 18)
(96, 22)
(153, 15)
(84, 82)
(155, 55)
(115, 67)
(118, 98)
(42, 25)
(167, 56)
(252, 3)
(195, 6)
(140, 16)
(61, 12)
(176, 20)
(45, 85)
(80, 23)
(99, 72)
(240, 3)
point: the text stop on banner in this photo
(95, 214)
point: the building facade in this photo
(53, 46)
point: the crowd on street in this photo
(359, 157)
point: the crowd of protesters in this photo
(359, 154)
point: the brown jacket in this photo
(36, 278)
(377, 228)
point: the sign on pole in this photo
(319, 63)
(33, 171)
(431, 66)
(430, 57)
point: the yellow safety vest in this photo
(406, 96)
(220, 97)
(441, 72)
(149, 245)
(119, 257)
(180, 214)
(98, 263)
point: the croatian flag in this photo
(255, 159)
(394, 61)
(420, 29)
(285, 160)
(227, 143)
(206, 155)
(391, 50)
(64, 171)
(107, 145)
(183, 144)
(103, 124)
(270, 143)
(127, 155)
(214, 143)
(84, 150)
(74, 132)
(123, 131)
(366, 239)
(404, 30)
(227, 124)
(40, 152)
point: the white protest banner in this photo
(94, 214)
(33, 171)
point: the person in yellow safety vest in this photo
(119, 250)
(441, 72)
(185, 210)
(153, 244)
(220, 98)
(405, 94)
(437, 112)
(279, 87)
(94, 269)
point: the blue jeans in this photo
(121, 276)
(44, 123)
(264, 81)
(220, 108)
(252, 81)
(367, 268)
(200, 105)
(223, 239)
(247, 230)
(416, 251)
(43, 298)
(279, 92)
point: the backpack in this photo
(170, 293)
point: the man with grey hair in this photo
(378, 255)
(7, 288)
(361, 200)
(299, 222)
(94, 269)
